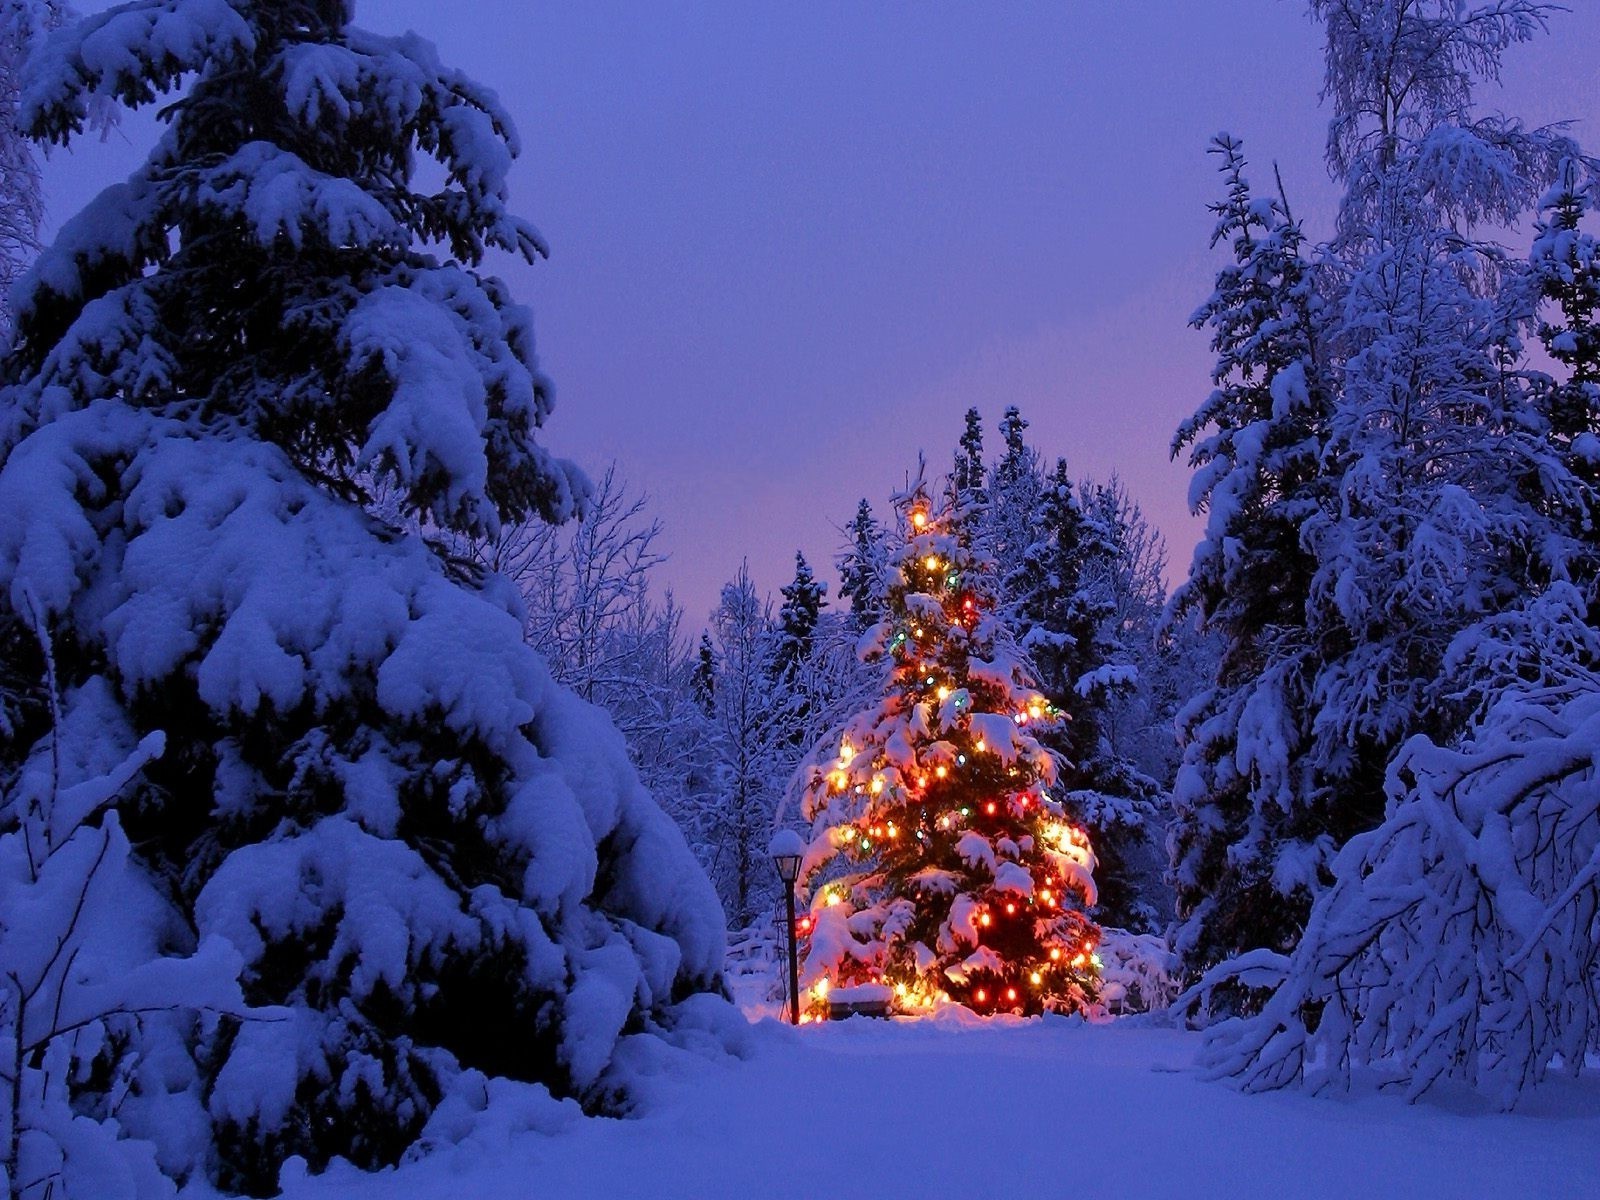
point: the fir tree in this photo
(1015, 487)
(437, 860)
(1564, 274)
(942, 867)
(1238, 868)
(861, 567)
(703, 681)
(967, 477)
(1063, 620)
(797, 621)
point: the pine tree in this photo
(23, 26)
(1063, 621)
(703, 682)
(1241, 827)
(1016, 485)
(438, 861)
(861, 567)
(1564, 274)
(797, 621)
(968, 475)
(942, 866)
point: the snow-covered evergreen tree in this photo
(796, 630)
(23, 25)
(1063, 623)
(1457, 942)
(861, 566)
(941, 865)
(703, 679)
(968, 476)
(1563, 278)
(1246, 840)
(1016, 485)
(439, 861)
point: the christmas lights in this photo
(983, 906)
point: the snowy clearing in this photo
(1009, 1109)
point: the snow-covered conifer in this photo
(968, 475)
(1241, 831)
(1016, 485)
(796, 629)
(437, 859)
(861, 567)
(1457, 942)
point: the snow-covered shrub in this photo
(100, 983)
(1138, 972)
(1461, 939)
(433, 857)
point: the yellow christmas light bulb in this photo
(919, 518)
(1036, 979)
(833, 898)
(877, 785)
(931, 562)
(982, 745)
(944, 692)
(820, 988)
(941, 771)
(1055, 954)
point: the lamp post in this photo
(787, 850)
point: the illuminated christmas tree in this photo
(941, 867)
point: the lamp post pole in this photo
(787, 850)
(794, 958)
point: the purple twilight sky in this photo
(792, 243)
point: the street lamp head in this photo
(787, 849)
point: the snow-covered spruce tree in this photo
(1563, 275)
(861, 567)
(23, 25)
(796, 629)
(1016, 484)
(1247, 837)
(101, 985)
(941, 867)
(439, 861)
(968, 475)
(703, 679)
(1457, 942)
(1062, 621)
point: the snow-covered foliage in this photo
(1138, 972)
(439, 861)
(1401, 80)
(1458, 941)
(101, 985)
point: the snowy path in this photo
(1032, 1109)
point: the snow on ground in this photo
(1011, 1110)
